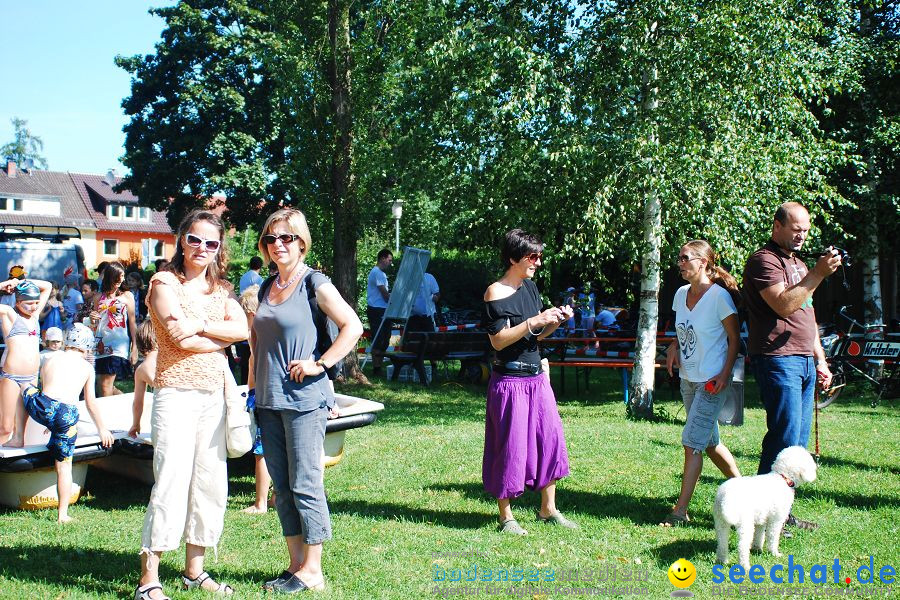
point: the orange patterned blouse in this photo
(179, 368)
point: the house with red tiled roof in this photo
(126, 230)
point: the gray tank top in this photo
(283, 333)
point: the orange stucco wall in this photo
(130, 245)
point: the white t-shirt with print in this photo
(702, 341)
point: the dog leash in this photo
(816, 419)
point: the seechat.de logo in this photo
(795, 572)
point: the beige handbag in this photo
(240, 424)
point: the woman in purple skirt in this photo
(524, 446)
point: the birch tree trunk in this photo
(641, 399)
(343, 188)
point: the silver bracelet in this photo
(528, 325)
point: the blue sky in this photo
(59, 75)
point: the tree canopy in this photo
(25, 145)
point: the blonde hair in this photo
(249, 300)
(716, 273)
(296, 223)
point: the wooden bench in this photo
(580, 354)
(470, 347)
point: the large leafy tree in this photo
(620, 130)
(274, 103)
(25, 145)
(867, 119)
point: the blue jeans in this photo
(293, 443)
(787, 387)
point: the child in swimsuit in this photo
(55, 406)
(21, 358)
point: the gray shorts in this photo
(701, 431)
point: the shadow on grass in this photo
(860, 501)
(100, 572)
(672, 551)
(444, 403)
(824, 461)
(394, 512)
(109, 491)
(90, 570)
(640, 511)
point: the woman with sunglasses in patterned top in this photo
(524, 446)
(292, 391)
(194, 318)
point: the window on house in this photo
(157, 249)
(114, 211)
(129, 213)
(143, 213)
(111, 247)
(11, 204)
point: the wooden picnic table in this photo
(587, 353)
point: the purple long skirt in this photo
(524, 446)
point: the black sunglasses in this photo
(286, 238)
(195, 241)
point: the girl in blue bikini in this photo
(21, 358)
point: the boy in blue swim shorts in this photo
(55, 406)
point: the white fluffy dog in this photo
(759, 506)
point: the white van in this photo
(47, 254)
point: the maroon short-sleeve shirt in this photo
(769, 333)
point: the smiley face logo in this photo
(682, 573)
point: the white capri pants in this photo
(191, 490)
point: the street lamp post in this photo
(397, 212)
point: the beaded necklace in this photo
(283, 286)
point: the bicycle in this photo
(853, 354)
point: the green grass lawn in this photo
(408, 492)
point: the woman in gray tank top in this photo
(292, 392)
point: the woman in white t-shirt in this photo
(706, 347)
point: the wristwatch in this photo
(321, 363)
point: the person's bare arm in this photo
(384, 292)
(128, 298)
(232, 329)
(46, 287)
(823, 371)
(106, 438)
(543, 321)
(349, 330)
(137, 405)
(165, 304)
(732, 330)
(785, 300)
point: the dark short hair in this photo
(91, 283)
(256, 263)
(518, 244)
(384, 253)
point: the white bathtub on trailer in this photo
(28, 476)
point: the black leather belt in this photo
(517, 368)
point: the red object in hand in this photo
(710, 386)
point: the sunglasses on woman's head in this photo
(286, 238)
(535, 256)
(195, 241)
